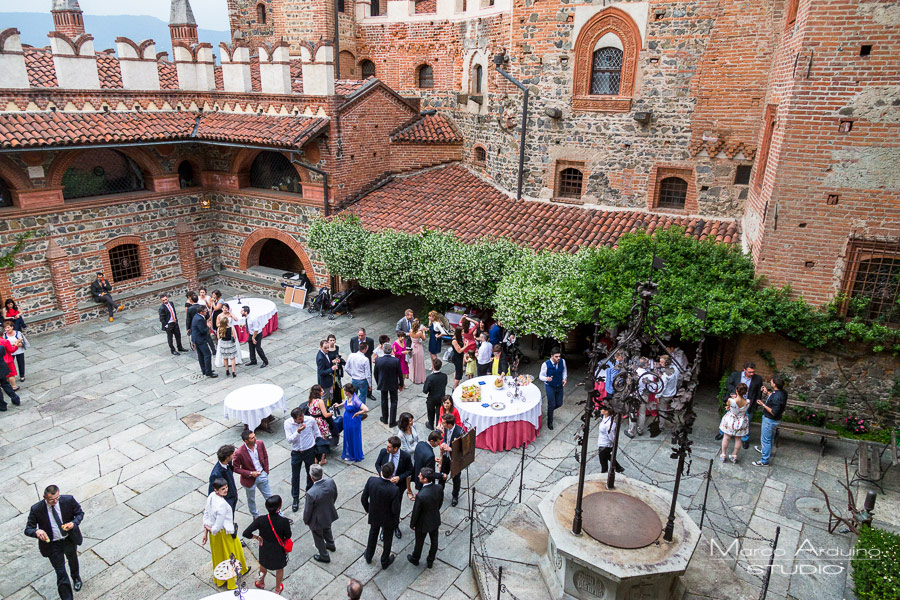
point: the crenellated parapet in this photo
(317, 64)
(13, 73)
(275, 68)
(236, 75)
(195, 65)
(75, 61)
(138, 64)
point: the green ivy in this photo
(8, 258)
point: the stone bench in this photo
(153, 290)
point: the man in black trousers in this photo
(423, 457)
(381, 500)
(387, 376)
(100, 292)
(403, 467)
(202, 341)
(54, 522)
(254, 329)
(425, 519)
(370, 349)
(435, 387)
(169, 322)
(451, 432)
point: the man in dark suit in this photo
(754, 385)
(319, 513)
(169, 322)
(202, 341)
(381, 500)
(435, 387)
(224, 470)
(425, 519)
(403, 467)
(387, 376)
(360, 338)
(451, 432)
(54, 522)
(325, 371)
(423, 458)
(4, 382)
(100, 292)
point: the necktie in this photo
(171, 312)
(56, 518)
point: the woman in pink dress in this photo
(417, 358)
(402, 353)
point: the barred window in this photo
(5, 194)
(367, 69)
(570, 182)
(272, 171)
(873, 281)
(124, 262)
(672, 193)
(186, 175)
(480, 155)
(260, 14)
(606, 71)
(426, 77)
(99, 173)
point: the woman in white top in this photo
(218, 527)
(606, 437)
(16, 339)
(409, 438)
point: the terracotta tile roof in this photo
(168, 75)
(453, 199)
(110, 71)
(427, 129)
(42, 73)
(345, 87)
(42, 129)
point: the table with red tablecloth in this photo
(502, 419)
(259, 307)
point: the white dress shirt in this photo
(358, 367)
(254, 325)
(254, 456)
(485, 353)
(606, 432)
(669, 378)
(55, 532)
(218, 514)
(301, 440)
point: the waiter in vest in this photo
(554, 376)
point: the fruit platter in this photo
(471, 393)
(524, 380)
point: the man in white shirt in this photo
(668, 374)
(485, 354)
(554, 375)
(254, 329)
(640, 423)
(359, 369)
(301, 432)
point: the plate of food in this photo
(471, 393)
(498, 383)
(498, 406)
(523, 380)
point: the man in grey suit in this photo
(319, 512)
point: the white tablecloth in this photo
(251, 594)
(253, 403)
(481, 417)
(259, 307)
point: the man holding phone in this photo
(773, 407)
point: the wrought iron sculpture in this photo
(631, 386)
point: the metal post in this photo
(471, 524)
(499, 581)
(670, 524)
(611, 476)
(582, 467)
(765, 587)
(521, 474)
(499, 60)
(706, 492)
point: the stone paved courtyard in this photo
(131, 432)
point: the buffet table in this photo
(502, 422)
(253, 403)
(259, 307)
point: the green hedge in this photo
(876, 575)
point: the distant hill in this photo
(105, 29)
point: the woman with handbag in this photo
(274, 542)
(218, 520)
(317, 410)
(17, 339)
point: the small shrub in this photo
(810, 416)
(856, 424)
(875, 559)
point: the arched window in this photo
(186, 175)
(272, 171)
(873, 271)
(477, 73)
(426, 77)
(124, 262)
(275, 254)
(606, 71)
(480, 155)
(367, 69)
(99, 173)
(260, 14)
(5, 194)
(570, 182)
(348, 65)
(672, 193)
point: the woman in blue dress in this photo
(353, 408)
(436, 330)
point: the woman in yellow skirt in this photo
(218, 520)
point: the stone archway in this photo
(267, 243)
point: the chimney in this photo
(182, 25)
(12, 61)
(67, 17)
(317, 64)
(138, 63)
(275, 68)
(236, 67)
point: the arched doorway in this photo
(275, 254)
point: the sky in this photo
(210, 14)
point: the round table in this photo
(259, 307)
(253, 403)
(515, 425)
(251, 593)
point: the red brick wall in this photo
(409, 157)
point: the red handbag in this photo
(288, 544)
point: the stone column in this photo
(61, 277)
(186, 255)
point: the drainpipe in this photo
(337, 43)
(499, 59)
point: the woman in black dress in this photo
(273, 530)
(334, 355)
(459, 347)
